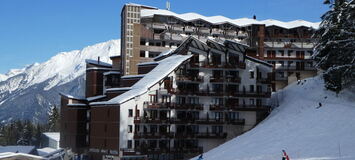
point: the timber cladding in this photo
(94, 82)
(104, 128)
(73, 127)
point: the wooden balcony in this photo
(240, 65)
(148, 120)
(216, 79)
(211, 135)
(185, 150)
(250, 94)
(189, 78)
(263, 80)
(187, 106)
(168, 106)
(155, 135)
(230, 107)
(233, 79)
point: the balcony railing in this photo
(143, 150)
(182, 135)
(229, 107)
(263, 80)
(240, 64)
(169, 105)
(189, 78)
(250, 94)
(187, 120)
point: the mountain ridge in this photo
(29, 92)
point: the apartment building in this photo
(183, 84)
(149, 31)
(183, 103)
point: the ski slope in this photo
(305, 130)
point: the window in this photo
(282, 52)
(130, 129)
(142, 54)
(217, 129)
(282, 63)
(130, 113)
(129, 144)
(289, 52)
(251, 87)
(252, 102)
(137, 113)
(142, 42)
(136, 128)
(251, 75)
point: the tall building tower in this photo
(130, 37)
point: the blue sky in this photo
(35, 30)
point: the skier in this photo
(200, 157)
(285, 156)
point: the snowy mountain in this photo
(299, 126)
(29, 92)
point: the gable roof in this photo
(164, 68)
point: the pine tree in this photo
(53, 120)
(335, 49)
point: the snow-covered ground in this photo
(299, 126)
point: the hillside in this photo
(299, 126)
(27, 93)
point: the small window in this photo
(130, 113)
(130, 129)
(251, 75)
(251, 87)
(129, 144)
(282, 52)
(142, 54)
(142, 42)
(289, 52)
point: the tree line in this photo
(25, 132)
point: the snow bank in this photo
(305, 130)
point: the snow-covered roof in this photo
(53, 135)
(5, 155)
(147, 63)
(140, 5)
(76, 105)
(216, 20)
(119, 89)
(111, 72)
(165, 53)
(95, 62)
(258, 61)
(71, 97)
(133, 76)
(19, 149)
(45, 151)
(97, 68)
(165, 67)
(115, 56)
(95, 97)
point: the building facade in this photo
(185, 102)
(184, 84)
(148, 31)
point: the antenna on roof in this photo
(168, 5)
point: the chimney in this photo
(254, 17)
(98, 60)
